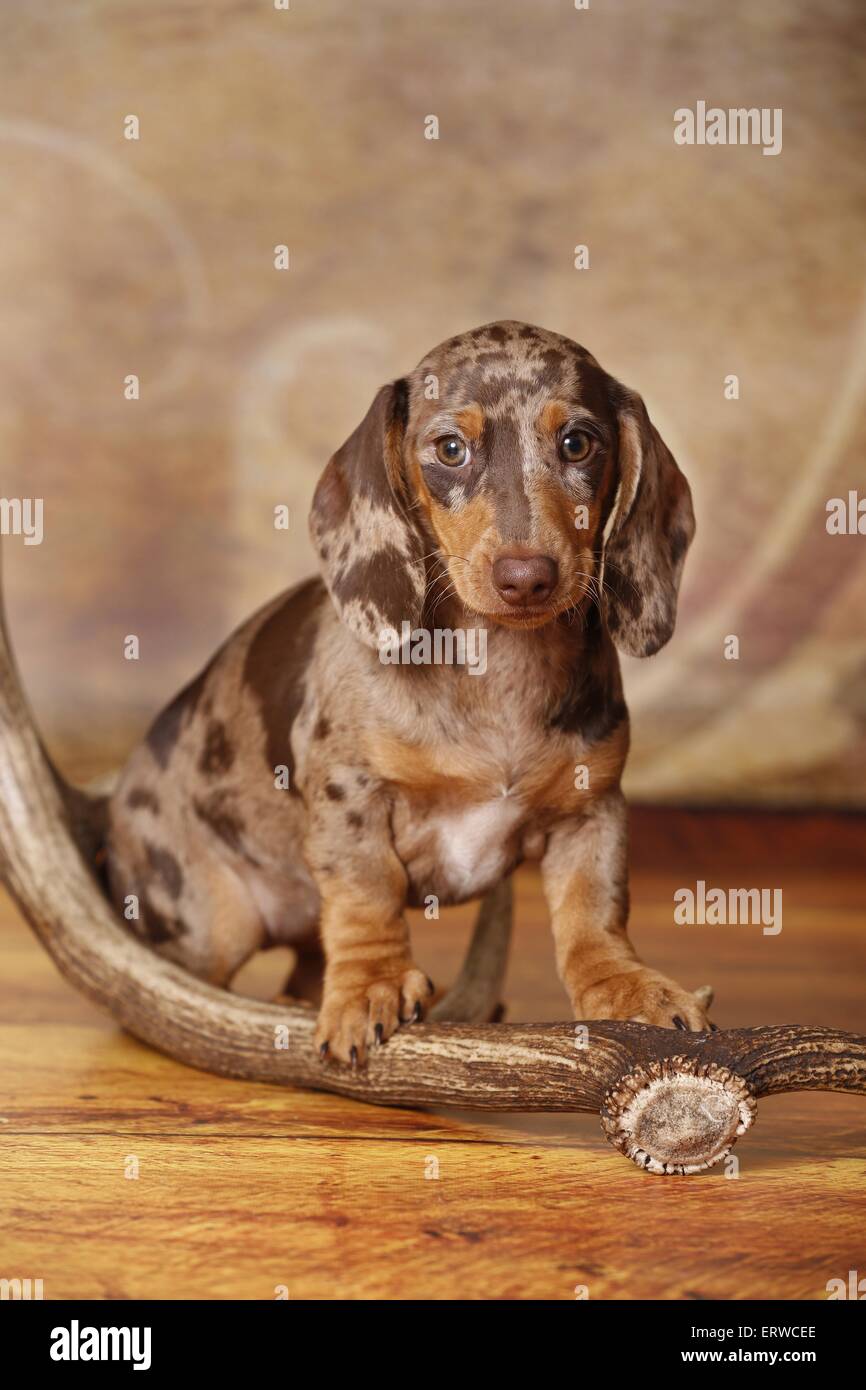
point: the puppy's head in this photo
(510, 469)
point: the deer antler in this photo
(673, 1102)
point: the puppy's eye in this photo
(575, 447)
(452, 451)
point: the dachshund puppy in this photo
(314, 779)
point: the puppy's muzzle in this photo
(525, 581)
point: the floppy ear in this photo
(651, 529)
(370, 551)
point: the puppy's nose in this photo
(525, 580)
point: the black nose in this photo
(525, 580)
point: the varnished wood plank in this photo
(244, 1187)
(230, 1217)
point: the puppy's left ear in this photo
(651, 529)
(371, 552)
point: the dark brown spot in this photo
(628, 597)
(678, 543)
(593, 704)
(504, 452)
(217, 754)
(158, 927)
(165, 730)
(275, 666)
(222, 819)
(399, 415)
(322, 729)
(551, 372)
(140, 798)
(334, 792)
(382, 580)
(354, 819)
(166, 868)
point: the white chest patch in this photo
(473, 846)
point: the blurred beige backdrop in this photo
(306, 127)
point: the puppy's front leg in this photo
(371, 982)
(585, 873)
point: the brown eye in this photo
(575, 447)
(452, 451)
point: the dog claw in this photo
(323, 1051)
(379, 1034)
(680, 1023)
(416, 1014)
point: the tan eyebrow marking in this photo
(471, 420)
(553, 416)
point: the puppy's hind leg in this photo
(233, 927)
(186, 902)
(476, 995)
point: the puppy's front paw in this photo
(362, 1009)
(645, 996)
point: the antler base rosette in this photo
(678, 1115)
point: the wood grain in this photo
(243, 1187)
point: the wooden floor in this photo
(244, 1190)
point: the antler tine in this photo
(793, 1057)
